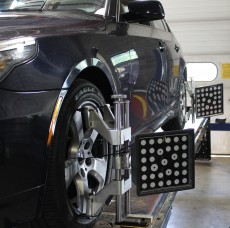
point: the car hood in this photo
(39, 24)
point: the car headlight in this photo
(15, 52)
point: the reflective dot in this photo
(184, 164)
(152, 176)
(176, 148)
(176, 173)
(184, 180)
(160, 140)
(184, 138)
(143, 168)
(160, 151)
(144, 177)
(143, 142)
(152, 159)
(160, 184)
(151, 141)
(144, 186)
(154, 167)
(184, 172)
(143, 151)
(176, 139)
(143, 160)
(176, 181)
(168, 182)
(174, 156)
(184, 155)
(168, 172)
(152, 185)
(164, 162)
(184, 147)
(167, 140)
(151, 150)
(176, 165)
(160, 175)
(168, 148)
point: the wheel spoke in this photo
(83, 193)
(71, 170)
(98, 171)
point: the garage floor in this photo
(208, 205)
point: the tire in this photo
(78, 163)
(178, 122)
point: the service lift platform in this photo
(165, 165)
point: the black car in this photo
(56, 57)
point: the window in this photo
(201, 71)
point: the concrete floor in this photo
(208, 205)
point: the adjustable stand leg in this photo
(121, 121)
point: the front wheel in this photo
(78, 164)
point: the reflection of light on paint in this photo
(139, 102)
(20, 48)
(176, 70)
(54, 120)
(16, 3)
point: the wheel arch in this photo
(97, 77)
(92, 70)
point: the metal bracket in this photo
(116, 130)
(114, 136)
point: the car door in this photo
(147, 82)
(172, 60)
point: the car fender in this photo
(72, 76)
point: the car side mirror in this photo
(144, 10)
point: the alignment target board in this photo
(209, 100)
(165, 162)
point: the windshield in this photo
(89, 6)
